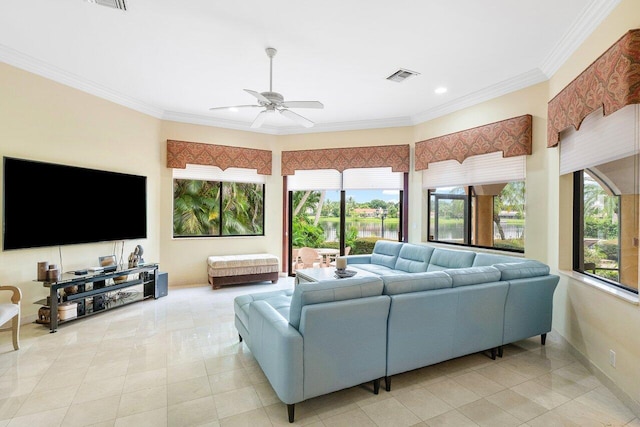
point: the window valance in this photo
(179, 153)
(612, 81)
(397, 157)
(511, 136)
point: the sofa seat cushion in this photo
(280, 300)
(416, 282)
(414, 258)
(473, 276)
(329, 291)
(443, 259)
(522, 270)
(386, 253)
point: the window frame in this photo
(468, 226)
(220, 184)
(578, 235)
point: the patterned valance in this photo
(395, 156)
(612, 81)
(179, 153)
(511, 136)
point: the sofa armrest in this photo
(278, 347)
(358, 259)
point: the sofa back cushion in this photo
(331, 290)
(483, 259)
(416, 282)
(473, 276)
(522, 270)
(414, 258)
(443, 259)
(385, 253)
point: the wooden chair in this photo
(11, 311)
(310, 258)
(295, 259)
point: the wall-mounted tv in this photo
(47, 204)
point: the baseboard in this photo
(603, 378)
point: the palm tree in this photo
(195, 210)
(242, 207)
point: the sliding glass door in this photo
(333, 214)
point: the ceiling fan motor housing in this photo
(273, 97)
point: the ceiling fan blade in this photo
(258, 96)
(234, 106)
(297, 118)
(259, 120)
(302, 104)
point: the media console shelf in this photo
(100, 291)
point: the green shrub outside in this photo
(609, 248)
(600, 228)
(517, 244)
(305, 234)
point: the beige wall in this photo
(532, 100)
(43, 120)
(46, 121)
(592, 320)
(186, 259)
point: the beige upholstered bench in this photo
(234, 269)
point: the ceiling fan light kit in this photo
(274, 101)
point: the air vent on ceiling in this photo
(116, 4)
(401, 75)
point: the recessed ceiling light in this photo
(440, 90)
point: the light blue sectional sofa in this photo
(423, 305)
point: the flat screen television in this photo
(47, 204)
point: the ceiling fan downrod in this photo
(271, 52)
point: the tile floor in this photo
(176, 361)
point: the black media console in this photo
(95, 292)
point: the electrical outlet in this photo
(612, 358)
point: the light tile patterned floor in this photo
(176, 361)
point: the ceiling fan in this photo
(273, 101)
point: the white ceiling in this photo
(176, 59)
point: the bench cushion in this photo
(236, 265)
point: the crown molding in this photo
(46, 70)
(348, 126)
(287, 130)
(586, 23)
(584, 26)
(197, 119)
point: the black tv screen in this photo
(46, 204)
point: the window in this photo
(208, 202)
(603, 219)
(489, 215)
(604, 162)
(449, 215)
(347, 211)
(479, 202)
